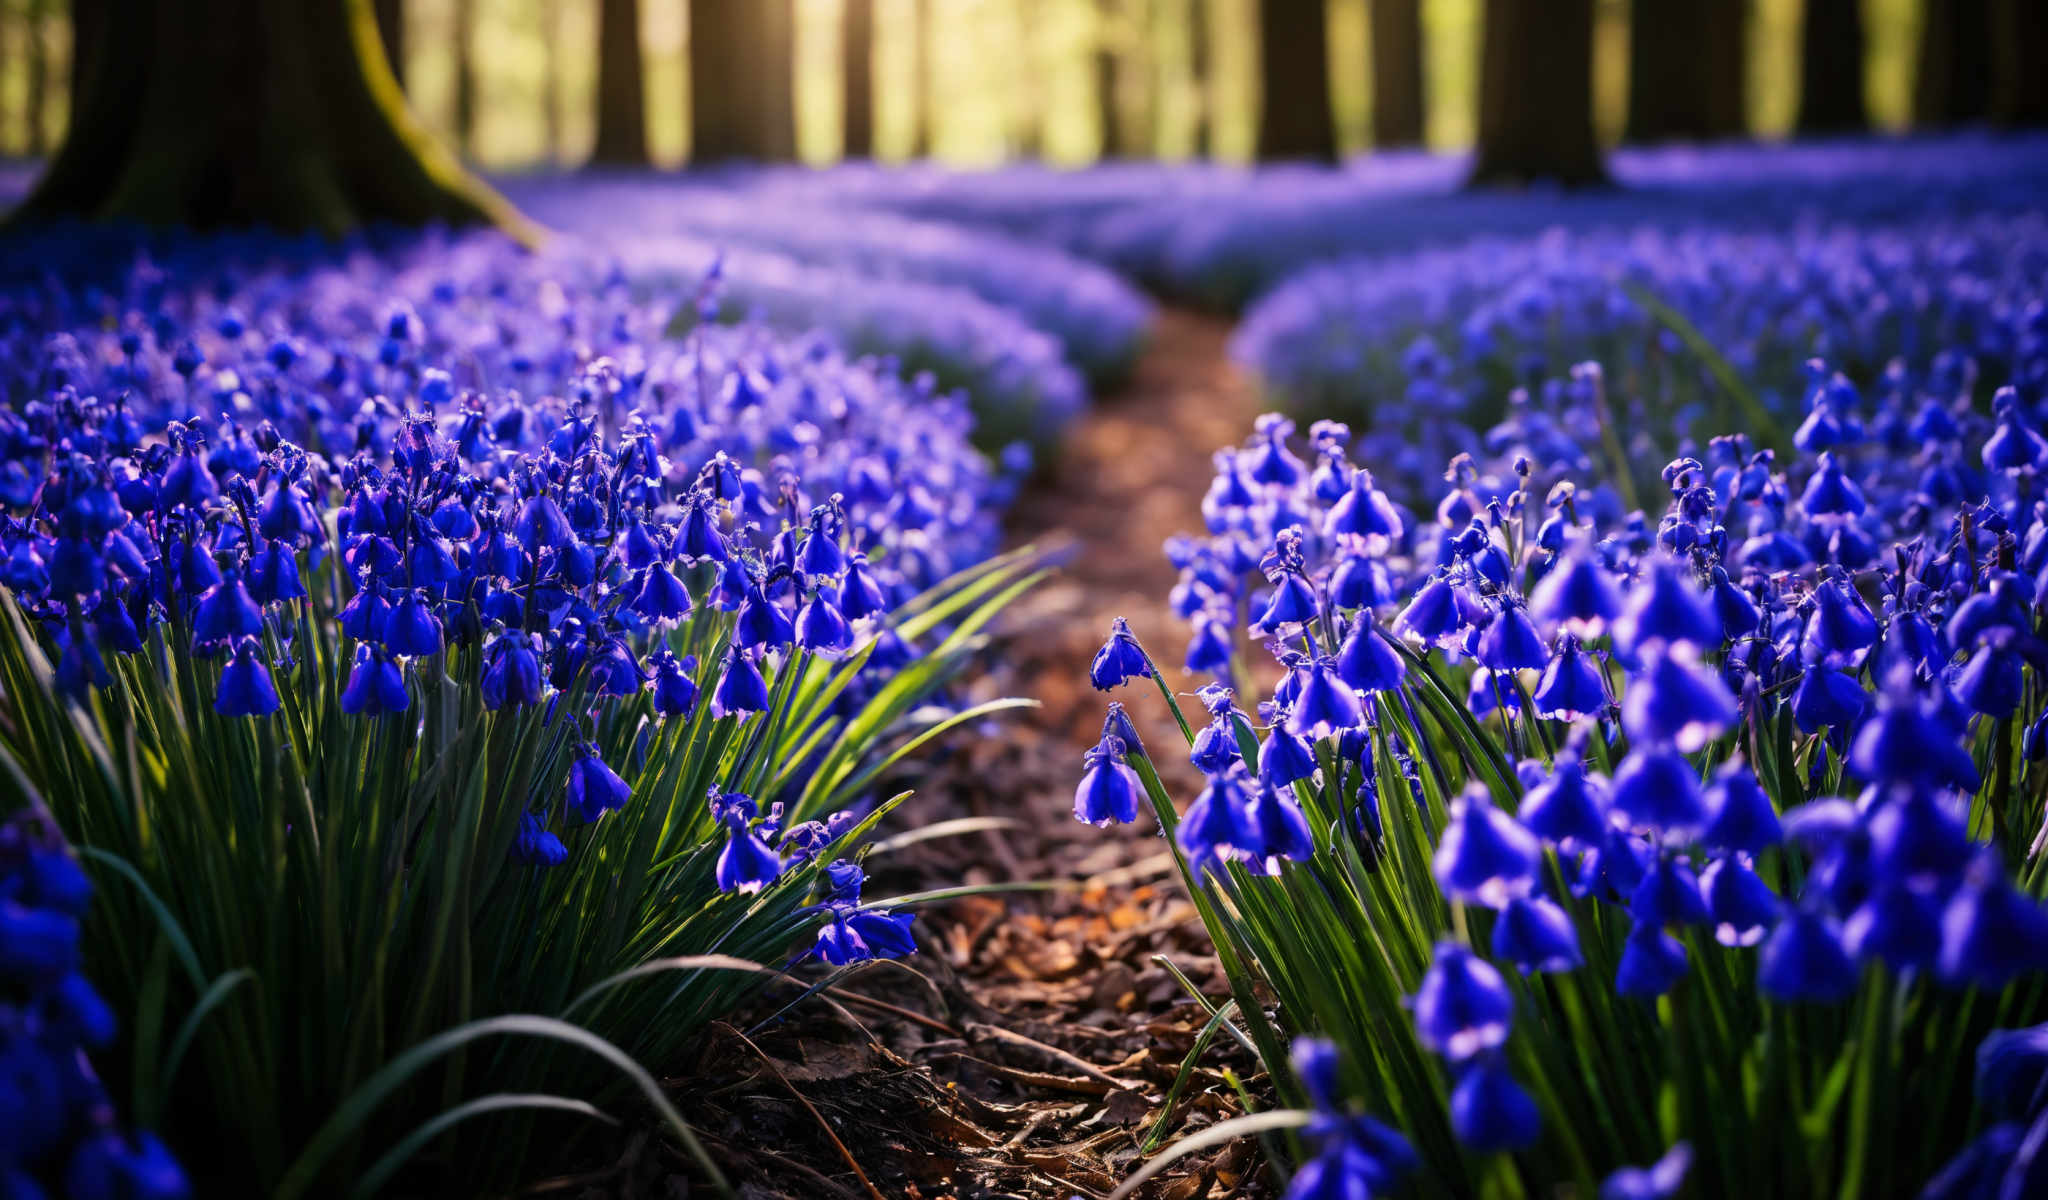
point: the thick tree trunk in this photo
(1955, 75)
(465, 77)
(1295, 121)
(621, 92)
(857, 44)
(38, 109)
(1109, 117)
(742, 80)
(1397, 111)
(1536, 94)
(241, 112)
(551, 75)
(391, 31)
(1687, 68)
(1198, 73)
(923, 128)
(2019, 98)
(1831, 68)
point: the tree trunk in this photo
(1397, 111)
(204, 113)
(857, 44)
(1198, 75)
(391, 31)
(38, 110)
(465, 77)
(1536, 94)
(923, 127)
(551, 75)
(1295, 121)
(1108, 80)
(1831, 69)
(2019, 98)
(742, 81)
(1955, 74)
(1687, 68)
(621, 93)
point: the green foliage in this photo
(327, 960)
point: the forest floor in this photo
(1026, 1051)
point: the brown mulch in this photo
(1027, 1051)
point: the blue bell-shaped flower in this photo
(1119, 660)
(1108, 793)
(1740, 907)
(1490, 1112)
(1652, 962)
(1803, 961)
(1485, 856)
(1656, 788)
(1740, 815)
(1463, 1007)
(1570, 688)
(1535, 934)
(245, 689)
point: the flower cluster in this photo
(61, 1136)
(1098, 318)
(1799, 712)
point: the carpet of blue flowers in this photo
(439, 680)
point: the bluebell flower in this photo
(1740, 815)
(226, 613)
(821, 629)
(1676, 701)
(1368, 662)
(1490, 1112)
(1908, 741)
(1740, 907)
(1916, 837)
(1668, 894)
(535, 846)
(741, 689)
(245, 689)
(1666, 605)
(1510, 642)
(375, 685)
(1293, 603)
(1363, 511)
(1660, 1180)
(1215, 746)
(1485, 856)
(1119, 660)
(1652, 962)
(36, 941)
(1360, 582)
(542, 525)
(860, 596)
(1896, 924)
(1803, 960)
(1991, 682)
(662, 598)
(1830, 492)
(746, 864)
(1570, 687)
(1432, 617)
(1285, 758)
(1209, 647)
(594, 788)
(1535, 934)
(2012, 1073)
(1990, 933)
(412, 629)
(512, 677)
(1273, 828)
(1215, 824)
(1463, 1007)
(1108, 793)
(1116, 723)
(1658, 789)
(1325, 705)
(675, 690)
(1568, 803)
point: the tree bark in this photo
(1198, 73)
(1295, 120)
(38, 108)
(551, 75)
(923, 127)
(857, 44)
(621, 90)
(1687, 70)
(742, 81)
(1831, 69)
(203, 113)
(465, 77)
(1397, 109)
(1954, 82)
(391, 31)
(1536, 95)
(1109, 120)
(2019, 98)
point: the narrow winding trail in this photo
(1021, 1055)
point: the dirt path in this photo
(1024, 1055)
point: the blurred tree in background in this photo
(514, 83)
